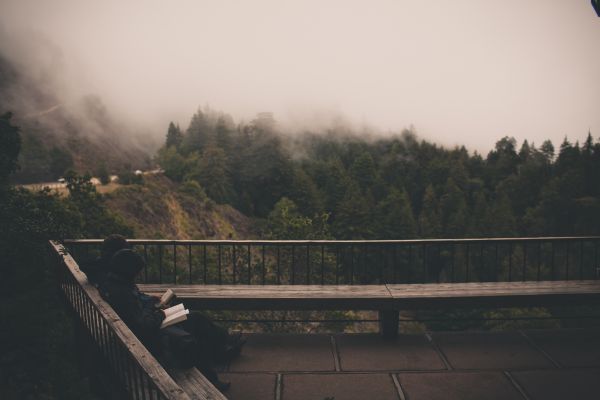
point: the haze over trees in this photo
(397, 187)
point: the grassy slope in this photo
(160, 209)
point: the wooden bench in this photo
(387, 299)
(195, 385)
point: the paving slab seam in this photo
(439, 352)
(336, 353)
(517, 385)
(278, 387)
(398, 387)
(533, 344)
(360, 372)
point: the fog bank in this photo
(463, 72)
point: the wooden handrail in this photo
(141, 373)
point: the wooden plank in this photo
(494, 289)
(196, 385)
(245, 297)
(495, 294)
(278, 297)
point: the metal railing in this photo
(140, 373)
(360, 262)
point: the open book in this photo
(174, 315)
(165, 298)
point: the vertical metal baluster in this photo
(249, 265)
(190, 263)
(219, 264)
(524, 260)
(482, 258)
(174, 263)
(233, 261)
(439, 260)
(581, 259)
(278, 265)
(596, 266)
(395, 265)
(322, 264)
(496, 263)
(510, 261)
(293, 264)
(467, 257)
(205, 264)
(425, 269)
(263, 264)
(539, 264)
(160, 251)
(145, 263)
(352, 264)
(337, 264)
(307, 264)
(410, 264)
(382, 262)
(552, 259)
(567, 267)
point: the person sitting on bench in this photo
(196, 341)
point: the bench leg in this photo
(388, 324)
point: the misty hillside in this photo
(58, 135)
(162, 209)
(345, 183)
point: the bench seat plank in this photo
(495, 294)
(391, 296)
(278, 297)
(195, 385)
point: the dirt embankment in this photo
(162, 209)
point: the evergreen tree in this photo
(364, 171)
(354, 215)
(453, 210)
(395, 217)
(174, 164)
(210, 170)
(174, 136)
(198, 134)
(429, 220)
(10, 146)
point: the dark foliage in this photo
(39, 358)
(394, 188)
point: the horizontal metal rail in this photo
(360, 261)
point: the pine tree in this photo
(354, 215)
(395, 219)
(174, 136)
(429, 220)
(210, 170)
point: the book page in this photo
(175, 318)
(172, 310)
(167, 296)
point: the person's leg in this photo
(212, 338)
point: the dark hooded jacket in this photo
(98, 269)
(135, 308)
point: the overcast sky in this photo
(461, 71)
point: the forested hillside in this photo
(59, 135)
(349, 184)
